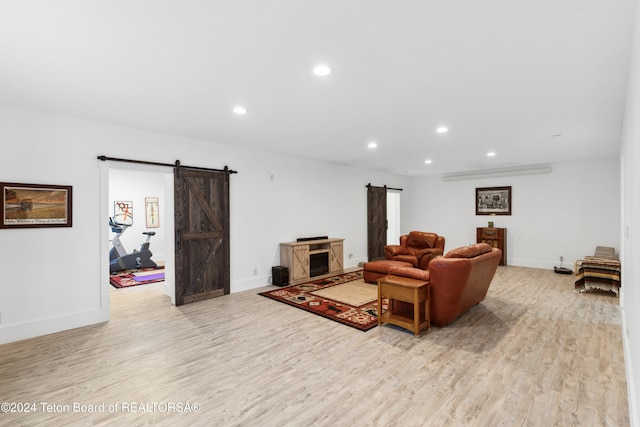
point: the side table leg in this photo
(427, 308)
(416, 313)
(379, 304)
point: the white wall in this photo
(57, 279)
(630, 232)
(567, 212)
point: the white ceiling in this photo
(504, 75)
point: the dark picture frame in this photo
(36, 205)
(493, 201)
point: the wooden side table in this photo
(409, 290)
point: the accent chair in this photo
(417, 248)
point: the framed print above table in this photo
(493, 201)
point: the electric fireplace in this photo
(318, 264)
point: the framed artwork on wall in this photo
(35, 205)
(493, 201)
(123, 212)
(152, 212)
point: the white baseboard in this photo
(248, 284)
(353, 262)
(537, 263)
(634, 417)
(51, 325)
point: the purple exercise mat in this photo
(149, 277)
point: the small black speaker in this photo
(280, 275)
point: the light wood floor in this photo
(534, 353)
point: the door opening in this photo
(393, 217)
(140, 185)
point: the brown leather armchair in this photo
(417, 248)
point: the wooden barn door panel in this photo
(202, 235)
(376, 222)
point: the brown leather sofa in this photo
(417, 248)
(459, 280)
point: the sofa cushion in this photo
(413, 273)
(470, 251)
(421, 240)
(378, 269)
(384, 265)
(412, 260)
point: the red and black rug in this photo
(362, 317)
(143, 276)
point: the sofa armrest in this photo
(426, 255)
(393, 250)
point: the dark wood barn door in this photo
(202, 234)
(376, 221)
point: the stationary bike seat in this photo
(149, 233)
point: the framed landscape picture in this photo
(35, 205)
(493, 201)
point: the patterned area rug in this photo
(360, 312)
(128, 278)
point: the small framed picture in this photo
(152, 212)
(123, 212)
(35, 205)
(493, 201)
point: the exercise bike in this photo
(120, 260)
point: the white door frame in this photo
(168, 225)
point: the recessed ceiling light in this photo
(491, 154)
(372, 144)
(427, 162)
(240, 110)
(321, 70)
(442, 129)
